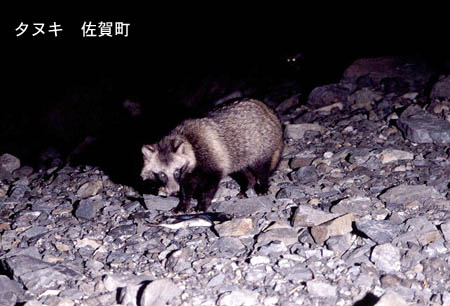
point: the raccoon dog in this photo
(242, 139)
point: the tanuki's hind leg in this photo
(262, 173)
(245, 180)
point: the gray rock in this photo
(94, 265)
(10, 291)
(290, 192)
(123, 230)
(306, 216)
(159, 292)
(85, 210)
(26, 218)
(297, 131)
(33, 303)
(31, 251)
(279, 232)
(37, 275)
(339, 226)
(216, 281)
(357, 205)
(339, 244)
(391, 298)
(305, 175)
(360, 156)
(179, 260)
(9, 238)
(445, 228)
(23, 171)
(412, 258)
(43, 206)
(9, 162)
(365, 281)
(18, 191)
(436, 268)
(329, 94)
(326, 109)
(380, 231)
(435, 248)
(392, 155)
(302, 160)
(363, 98)
(298, 274)
(5, 176)
(400, 196)
(271, 301)
(321, 289)
(21, 264)
(89, 189)
(419, 230)
(273, 248)
(132, 206)
(256, 274)
(117, 257)
(155, 203)
(228, 246)
(441, 89)
(108, 298)
(235, 227)
(245, 207)
(22, 181)
(35, 231)
(314, 253)
(71, 294)
(386, 257)
(420, 126)
(241, 297)
(390, 281)
(51, 277)
(257, 260)
(446, 298)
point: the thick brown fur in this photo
(242, 139)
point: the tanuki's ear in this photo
(178, 146)
(180, 149)
(148, 151)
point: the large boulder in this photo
(412, 72)
(441, 89)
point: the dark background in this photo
(61, 90)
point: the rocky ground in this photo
(358, 214)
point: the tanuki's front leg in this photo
(187, 187)
(206, 189)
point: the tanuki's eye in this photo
(177, 174)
